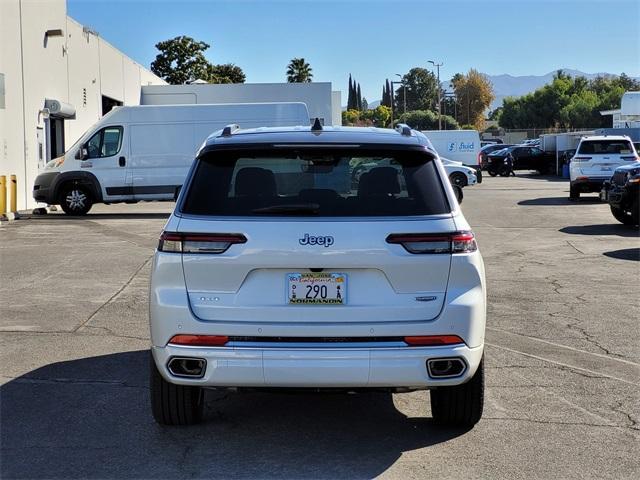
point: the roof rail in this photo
(403, 129)
(317, 125)
(229, 129)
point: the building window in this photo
(2, 90)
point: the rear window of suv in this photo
(307, 182)
(595, 147)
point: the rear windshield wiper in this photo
(293, 209)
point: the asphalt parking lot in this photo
(563, 356)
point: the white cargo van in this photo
(458, 145)
(143, 153)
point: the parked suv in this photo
(595, 160)
(623, 194)
(277, 270)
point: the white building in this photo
(321, 101)
(57, 78)
(628, 115)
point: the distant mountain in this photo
(506, 85)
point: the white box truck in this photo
(143, 153)
(458, 145)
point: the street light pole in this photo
(438, 65)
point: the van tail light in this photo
(432, 340)
(198, 242)
(456, 242)
(630, 158)
(581, 159)
(200, 340)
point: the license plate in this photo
(317, 288)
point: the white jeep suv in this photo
(277, 269)
(595, 160)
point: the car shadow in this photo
(90, 418)
(625, 254)
(554, 201)
(616, 229)
(546, 178)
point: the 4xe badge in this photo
(327, 241)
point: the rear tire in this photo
(574, 193)
(174, 404)
(460, 405)
(493, 173)
(75, 199)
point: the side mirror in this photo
(176, 193)
(82, 153)
(458, 191)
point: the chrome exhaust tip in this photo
(187, 367)
(446, 367)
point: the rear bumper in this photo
(590, 184)
(318, 367)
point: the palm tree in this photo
(299, 71)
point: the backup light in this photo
(423, 243)
(198, 242)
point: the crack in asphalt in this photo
(118, 292)
(633, 422)
(553, 422)
(583, 332)
(112, 333)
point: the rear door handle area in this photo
(122, 161)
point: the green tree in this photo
(566, 102)
(381, 116)
(350, 117)
(181, 60)
(421, 88)
(474, 93)
(226, 73)
(299, 71)
(427, 120)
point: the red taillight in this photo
(433, 340)
(198, 242)
(456, 242)
(200, 340)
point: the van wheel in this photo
(459, 179)
(461, 404)
(75, 199)
(622, 216)
(574, 193)
(174, 404)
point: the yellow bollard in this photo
(3, 195)
(13, 194)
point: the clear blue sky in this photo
(374, 39)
